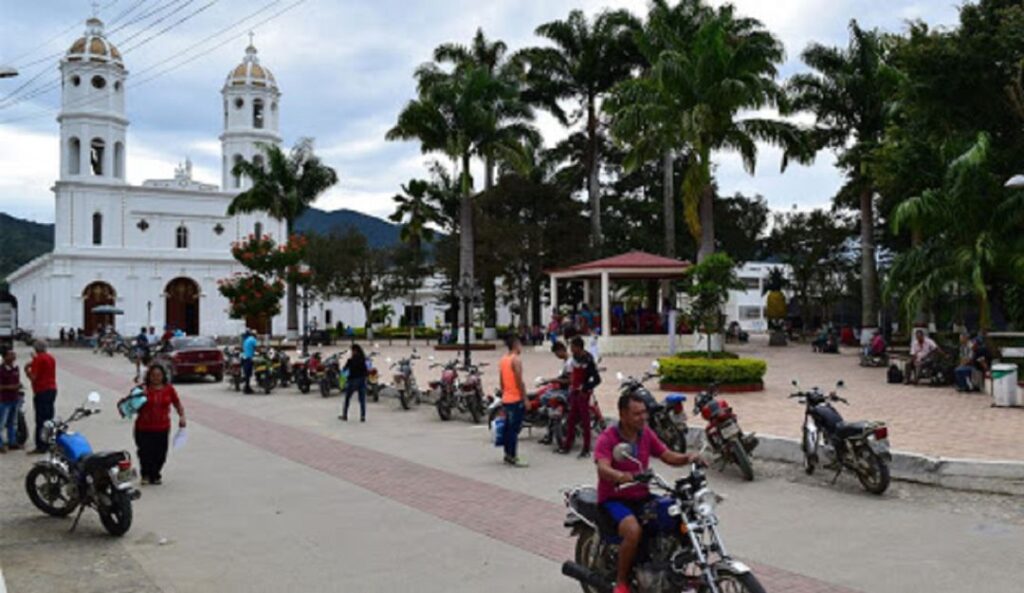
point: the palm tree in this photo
(849, 95)
(587, 60)
(972, 242)
(707, 66)
(415, 212)
(284, 189)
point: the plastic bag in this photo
(179, 438)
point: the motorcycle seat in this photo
(845, 430)
(585, 502)
(101, 460)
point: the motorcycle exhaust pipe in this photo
(586, 576)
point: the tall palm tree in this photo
(588, 58)
(706, 67)
(415, 212)
(972, 235)
(284, 189)
(848, 93)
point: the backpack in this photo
(130, 405)
(895, 374)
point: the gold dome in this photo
(93, 46)
(250, 72)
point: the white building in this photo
(157, 250)
(748, 306)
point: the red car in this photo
(192, 357)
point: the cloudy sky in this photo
(345, 69)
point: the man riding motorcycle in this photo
(623, 503)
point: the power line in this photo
(187, 17)
(163, 72)
(62, 35)
(153, 23)
(125, 13)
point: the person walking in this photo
(42, 371)
(355, 380)
(585, 379)
(249, 344)
(153, 424)
(10, 401)
(512, 392)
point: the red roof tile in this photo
(634, 260)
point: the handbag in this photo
(130, 405)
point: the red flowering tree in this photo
(258, 291)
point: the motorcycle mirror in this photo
(656, 365)
(431, 358)
(94, 398)
(388, 359)
(623, 452)
(538, 380)
(840, 384)
(619, 376)
(794, 383)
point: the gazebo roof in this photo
(634, 264)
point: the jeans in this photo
(351, 385)
(247, 372)
(963, 377)
(9, 421)
(579, 413)
(513, 424)
(42, 403)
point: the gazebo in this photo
(632, 266)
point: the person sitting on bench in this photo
(921, 348)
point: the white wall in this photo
(748, 306)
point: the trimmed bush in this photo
(703, 354)
(694, 371)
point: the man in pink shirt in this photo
(624, 504)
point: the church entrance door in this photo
(94, 295)
(183, 305)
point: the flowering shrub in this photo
(250, 295)
(259, 292)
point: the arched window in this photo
(119, 160)
(96, 149)
(237, 178)
(257, 114)
(74, 156)
(97, 228)
(257, 229)
(181, 237)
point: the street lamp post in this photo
(468, 292)
(149, 314)
(305, 321)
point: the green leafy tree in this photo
(708, 285)
(284, 188)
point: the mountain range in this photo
(21, 240)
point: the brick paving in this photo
(514, 518)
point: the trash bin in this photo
(1004, 385)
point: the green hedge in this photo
(703, 354)
(694, 371)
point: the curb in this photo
(999, 477)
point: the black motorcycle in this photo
(861, 447)
(681, 549)
(73, 476)
(666, 418)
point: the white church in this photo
(154, 251)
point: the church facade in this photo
(154, 251)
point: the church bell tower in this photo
(250, 117)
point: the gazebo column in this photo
(586, 292)
(606, 317)
(554, 297)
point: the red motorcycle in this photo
(723, 433)
(446, 387)
(306, 371)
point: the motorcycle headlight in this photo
(705, 501)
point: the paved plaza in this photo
(274, 493)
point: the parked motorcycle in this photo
(681, 550)
(723, 433)
(73, 476)
(861, 447)
(265, 371)
(668, 418)
(405, 381)
(305, 371)
(282, 366)
(466, 396)
(233, 364)
(445, 387)
(373, 385)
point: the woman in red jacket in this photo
(153, 425)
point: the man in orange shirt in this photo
(513, 392)
(42, 370)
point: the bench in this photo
(1011, 353)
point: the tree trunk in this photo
(490, 302)
(593, 172)
(920, 315)
(869, 272)
(292, 296)
(488, 173)
(668, 196)
(466, 254)
(707, 223)
(535, 304)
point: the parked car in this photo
(194, 356)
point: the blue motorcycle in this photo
(73, 476)
(681, 549)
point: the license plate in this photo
(730, 430)
(200, 369)
(126, 475)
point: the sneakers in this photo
(343, 417)
(516, 462)
(584, 454)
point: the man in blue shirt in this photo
(249, 343)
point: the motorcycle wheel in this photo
(476, 408)
(117, 517)
(236, 382)
(51, 496)
(739, 455)
(810, 458)
(737, 583)
(588, 554)
(444, 409)
(325, 388)
(303, 385)
(375, 392)
(875, 477)
(558, 433)
(404, 398)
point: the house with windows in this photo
(747, 306)
(156, 250)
